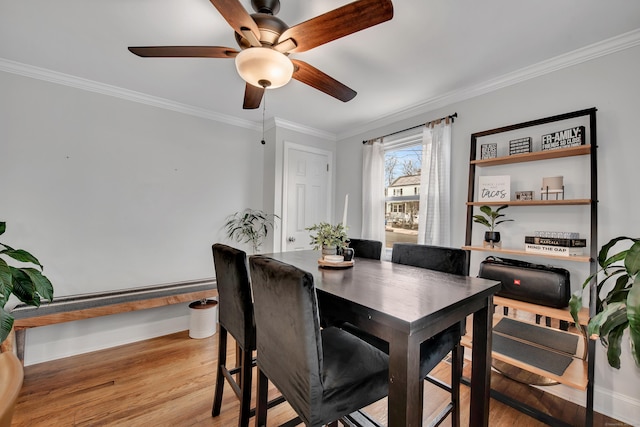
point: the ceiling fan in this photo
(266, 41)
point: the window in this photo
(403, 164)
(397, 161)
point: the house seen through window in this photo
(403, 164)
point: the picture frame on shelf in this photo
(489, 151)
(494, 188)
(520, 145)
(524, 195)
(571, 137)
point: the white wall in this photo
(610, 84)
(112, 194)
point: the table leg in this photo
(405, 385)
(481, 365)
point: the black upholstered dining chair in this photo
(235, 317)
(363, 248)
(435, 349)
(323, 373)
(432, 351)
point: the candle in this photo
(344, 214)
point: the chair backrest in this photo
(289, 342)
(438, 258)
(363, 248)
(235, 305)
(11, 376)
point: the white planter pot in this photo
(203, 320)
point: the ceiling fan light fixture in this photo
(264, 67)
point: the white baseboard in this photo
(607, 402)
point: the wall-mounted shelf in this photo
(567, 202)
(580, 150)
(582, 374)
(507, 251)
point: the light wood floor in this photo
(169, 381)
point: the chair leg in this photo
(238, 363)
(457, 361)
(222, 360)
(245, 386)
(261, 399)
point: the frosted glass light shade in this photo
(264, 67)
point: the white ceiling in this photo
(428, 52)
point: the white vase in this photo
(328, 250)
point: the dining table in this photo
(406, 305)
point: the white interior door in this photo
(306, 197)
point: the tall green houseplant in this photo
(28, 284)
(250, 226)
(618, 299)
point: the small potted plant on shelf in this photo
(328, 237)
(617, 299)
(250, 226)
(28, 284)
(491, 220)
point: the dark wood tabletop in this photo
(405, 306)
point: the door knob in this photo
(291, 239)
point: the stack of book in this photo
(555, 246)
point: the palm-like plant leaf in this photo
(28, 284)
(619, 308)
(633, 314)
(6, 323)
(24, 288)
(5, 280)
(21, 255)
(249, 226)
(490, 217)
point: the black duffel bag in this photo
(534, 283)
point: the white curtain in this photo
(373, 191)
(435, 186)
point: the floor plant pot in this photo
(203, 318)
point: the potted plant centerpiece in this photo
(617, 299)
(328, 237)
(250, 226)
(28, 284)
(491, 221)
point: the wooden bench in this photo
(85, 306)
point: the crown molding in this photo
(284, 124)
(596, 50)
(129, 95)
(578, 56)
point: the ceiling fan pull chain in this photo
(264, 107)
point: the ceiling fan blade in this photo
(315, 78)
(338, 23)
(252, 97)
(184, 51)
(239, 19)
